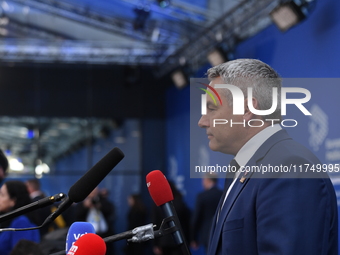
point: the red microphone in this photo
(159, 187)
(161, 193)
(88, 244)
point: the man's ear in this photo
(248, 115)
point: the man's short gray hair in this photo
(245, 73)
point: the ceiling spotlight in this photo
(179, 78)
(16, 165)
(216, 57)
(290, 13)
(163, 3)
(155, 34)
(219, 55)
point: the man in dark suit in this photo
(205, 207)
(39, 216)
(279, 212)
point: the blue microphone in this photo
(77, 230)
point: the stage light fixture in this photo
(163, 3)
(290, 13)
(179, 78)
(217, 56)
(220, 54)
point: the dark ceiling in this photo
(101, 91)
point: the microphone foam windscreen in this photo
(89, 244)
(76, 230)
(83, 187)
(159, 187)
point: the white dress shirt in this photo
(249, 148)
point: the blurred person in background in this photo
(3, 166)
(137, 216)
(13, 195)
(26, 247)
(205, 207)
(100, 212)
(104, 193)
(39, 215)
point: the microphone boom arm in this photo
(144, 233)
(164, 229)
(139, 234)
(32, 206)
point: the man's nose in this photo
(203, 122)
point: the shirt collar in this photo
(254, 143)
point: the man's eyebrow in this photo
(209, 104)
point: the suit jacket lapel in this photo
(213, 226)
(218, 209)
(232, 196)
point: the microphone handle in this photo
(61, 208)
(170, 211)
(31, 207)
(120, 236)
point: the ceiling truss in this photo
(117, 42)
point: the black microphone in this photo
(46, 201)
(161, 193)
(84, 186)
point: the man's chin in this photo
(216, 148)
(213, 147)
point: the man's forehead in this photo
(215, 81)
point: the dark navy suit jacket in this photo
(206, 204)
(284, 215)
